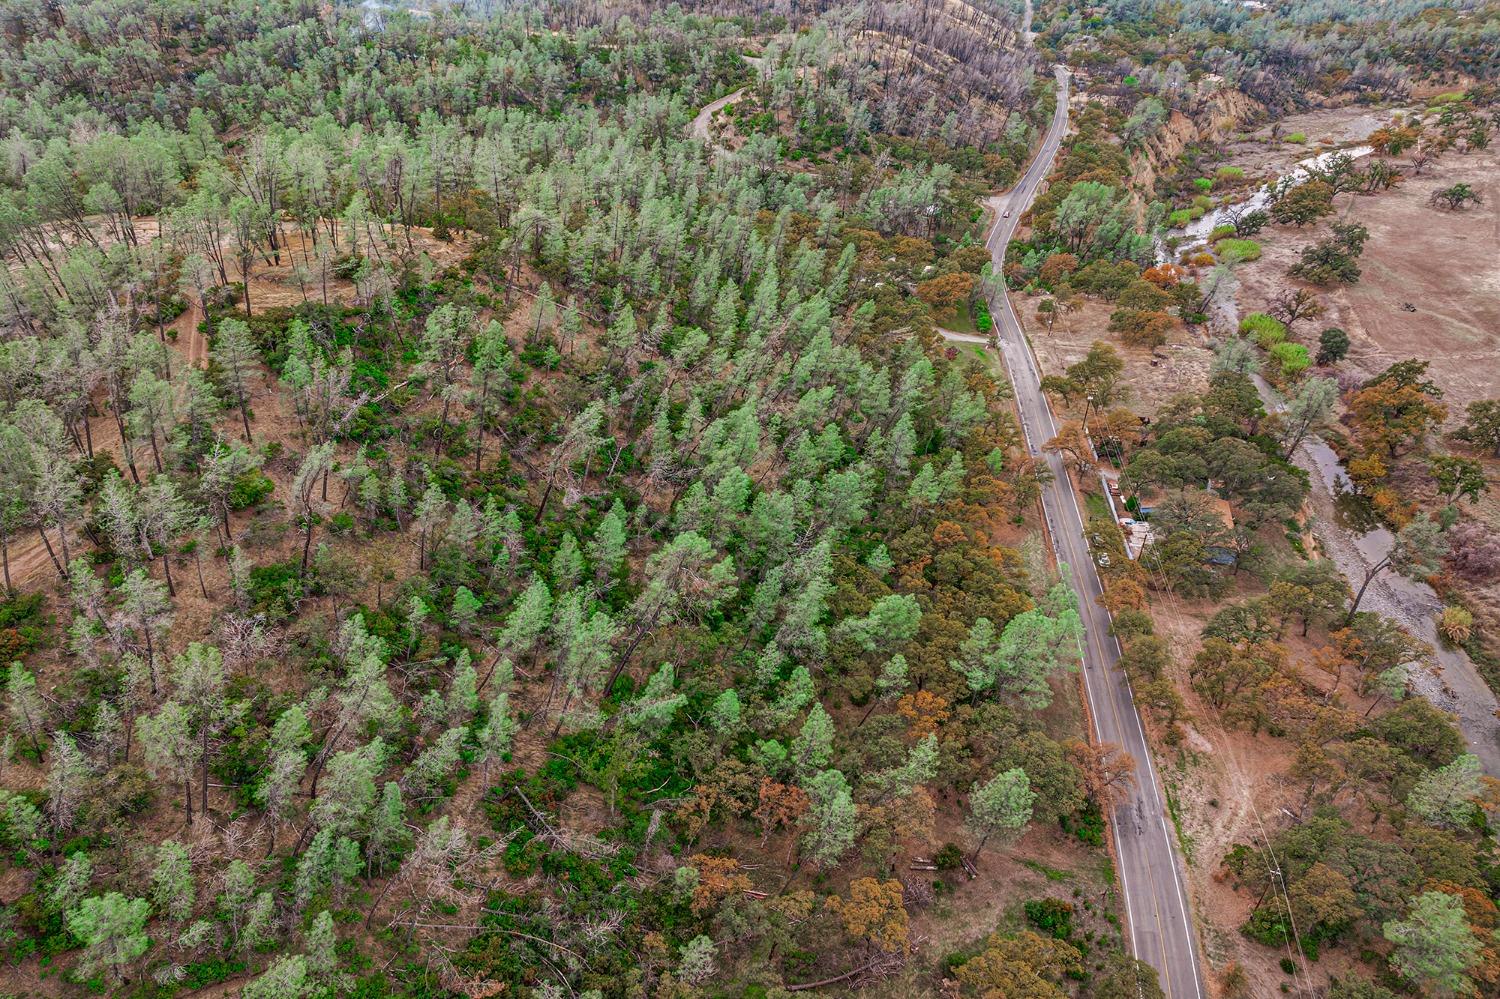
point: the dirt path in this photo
(28, 556)
(704, 118)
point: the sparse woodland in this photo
(463, 536)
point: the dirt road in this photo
(702, 126)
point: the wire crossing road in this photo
(1160, 924)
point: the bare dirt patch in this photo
(1444, 264)
(1154, 376)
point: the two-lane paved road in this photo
(1160, 924)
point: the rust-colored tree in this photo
(874, 913)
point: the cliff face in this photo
(1216, 118)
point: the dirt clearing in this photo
(1180, 366)
(1444, 265)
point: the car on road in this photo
(1007, 214)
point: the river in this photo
(1199, 230)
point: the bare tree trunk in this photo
(53, 555)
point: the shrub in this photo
(1238, 251)
(1230, 173)
(1087, 823)
(1179, 218)
(1263, 329)
(983, 322)
(347, 267)
(1456, 624)
(1293, 358)
(23, 626)
(249, 489)
(1204, 184)
(1333, 344)
(949, 858)
(275, 587)
(1297, 137)
(1052, 916)
(1220, 231)
(1251, 222)
(1202, 260)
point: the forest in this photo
(515, 499)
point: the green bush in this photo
(249, 489)
(983, 321)
(1204, 184)
(1220, 231)
(1179, 218)
(949, 858)
(1087, 823)
(275, 587)
(1263, 329)
(1238, 251)
(1052, 916)
(1267, 928)
(1297, 137)
(1230, 173)
(347, 267)
(23, 626)
(1293, 357)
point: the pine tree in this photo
(322, 956)
(813, 746)
(168, 748)
(433, 765)
(1446, 796)
(465, 610)
(145, 602)
(71, 882)
(237, 884)
(199, 680)
(495, 736)
(304, 506)
(23, 704)
(113, 931)
(445, 338)
(388, 837)
(68, 778)
(237, 359)
(1434, 945)
(173, 889)
(349, 788)
(607, 549)
(831, 820)
(286, 978)
(1001, 805)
